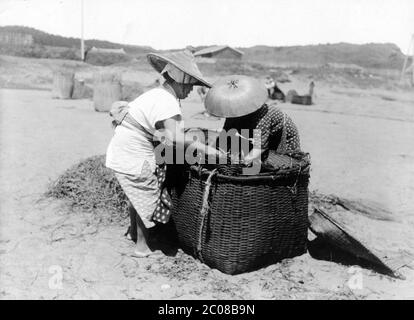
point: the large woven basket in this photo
(241, 223)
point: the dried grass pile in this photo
(63, 84)
(91, 187)
(107, 89)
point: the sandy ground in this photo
(361, 147)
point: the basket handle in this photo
(205, 208)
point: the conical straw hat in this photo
(183, 60)
(235, 96)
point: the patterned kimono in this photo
(277, 130)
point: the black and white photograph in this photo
(189, 150)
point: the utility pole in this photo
(82, 42)
(410, 69)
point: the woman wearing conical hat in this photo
(131, 152)
(242, 101)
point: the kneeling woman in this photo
(242, 101)
(131, 152)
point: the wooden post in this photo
(410, 53)
(311, 88)
(412, 73)
(107, 89)
(412, 79)
(82, 41)
(63, 82)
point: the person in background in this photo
(273, 90)
(131, 151)
(270, 84)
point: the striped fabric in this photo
(144, 193)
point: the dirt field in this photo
(361, 147)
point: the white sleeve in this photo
(165, 108)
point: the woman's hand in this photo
(253, 156)
(253, 162)
(175, 133)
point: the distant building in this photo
(105, 57)
(219, 52)
(16, 39)
(191, 49)
(103, 50)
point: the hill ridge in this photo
(48, 39)
(369, 55)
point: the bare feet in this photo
(142, 246)
(147, 254)
(142, 250)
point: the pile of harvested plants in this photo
(91, 187)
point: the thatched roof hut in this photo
(219, 52)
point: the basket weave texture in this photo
(241, 223)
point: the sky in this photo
(168, 24)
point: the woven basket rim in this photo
(261, 177)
